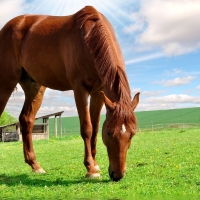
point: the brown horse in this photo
(78, 52)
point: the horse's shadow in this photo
(41, 180)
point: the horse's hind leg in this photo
(33, 99)
(10, 71)
(5, 92)
(9, 78)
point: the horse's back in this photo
(37, 43)
(63, 48)
(15, 34)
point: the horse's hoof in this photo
(97, 168)
(92, 175)
(39, 171)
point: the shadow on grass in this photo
(42, 180)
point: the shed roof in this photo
(53, 114)
(43, 117)
(9, 125)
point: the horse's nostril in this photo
(112, 175)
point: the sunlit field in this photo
(185, 117)
(159, 164)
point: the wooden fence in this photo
(153, 127)
(158, 127)
(12, 132)
(41, 131)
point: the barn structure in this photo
(12, 132)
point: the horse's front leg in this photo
(81, 98)
(33, 98)
(96, 103)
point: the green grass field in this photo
(183, 115)
(145, 119)
(160, 165)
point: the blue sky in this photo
(160, 41)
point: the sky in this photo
(160, 41)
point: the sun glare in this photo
(111, 8)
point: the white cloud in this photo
(151, 106)
(198, 87)
(152, 93)
(172, 101)
(138, 26)
(176, 82)
(132, 28)
(174, 71)
(134, 91)
(145, 58)
(172, 25)
(177, 71)
(174, 98)
(53, 101)
(68, 110)
(10, 9)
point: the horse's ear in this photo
(109, 104)
(135, 101)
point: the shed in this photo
(12, 132)
(9, 132)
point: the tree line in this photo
(7, 118)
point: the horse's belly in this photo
(48, 74)
(46, 66)
(52, 80)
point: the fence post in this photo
(55, 126)
(47, 127)
(60, 126)
(151, 126)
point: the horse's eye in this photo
(109, 133)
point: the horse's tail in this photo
(98, 39)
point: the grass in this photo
(145, 118)
(171, 116)
(160, 165)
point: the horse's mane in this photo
(123, 113)
(101, 47)
(99, 44)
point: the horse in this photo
(78, 52)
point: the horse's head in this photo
(117, 133)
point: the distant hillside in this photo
(183, 115)
(145, 118)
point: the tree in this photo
(7, 118)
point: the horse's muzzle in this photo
(115, 176)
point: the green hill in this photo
(145, 119)
(172, 116)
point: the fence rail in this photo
(157, 127)
(9, 136)
(12, 135)
(148, 128)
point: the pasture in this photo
(160, 165)
(171, 116)
(145, 119)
